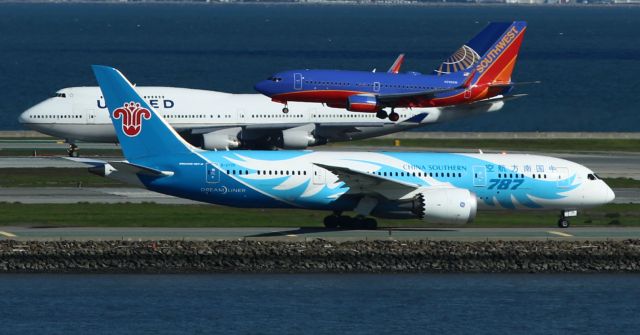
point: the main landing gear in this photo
(347, 222)
(563, 221)
(73, 150)
(393, 116)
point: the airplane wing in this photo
(412, 98)
(395, 67)
(363, 183)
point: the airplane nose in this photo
(262, 87)
(610, 195)
(24, 116)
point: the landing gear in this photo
(73, 150)
(346, 222)
(285, 109)
(563, 222)
(382, 114)
(393, 116)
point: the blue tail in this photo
(143, 133)
(473, 51)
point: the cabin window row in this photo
(418, 174)
(269, 172)
(38, 116)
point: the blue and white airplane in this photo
(434, 187)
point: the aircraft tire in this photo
(346, 222)
(370, 224)
(331, 221)
(394, 116)
(382, 114)
(285, 110)
(563, 223)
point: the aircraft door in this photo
(318, 175)
(376, 86)
(479, 176)
(297, 81)
(563, 177)
(213, 174)
(91, 115)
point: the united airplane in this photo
(479, 70)
(434, 187)
(219, 121)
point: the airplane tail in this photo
(490, 56)
(143, 134)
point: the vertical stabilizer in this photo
(141, 131)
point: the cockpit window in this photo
(592, 176)
(276, 79)
(60, 95)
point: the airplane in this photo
(220, 121)
(444, 188)
(478, 70)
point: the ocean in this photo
(588, 58)
(320, 304)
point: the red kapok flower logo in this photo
(132, 115)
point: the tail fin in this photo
(492, 52)
(143, 133)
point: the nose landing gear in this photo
(563, 222)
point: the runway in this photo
(607, 165)
(307, 234)
(112, 195)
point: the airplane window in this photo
(447, 174)
(258, 172)
(510, 175)
(459, 175)
(545, 176)
(246, 171)
(61, 95)
(305, 173)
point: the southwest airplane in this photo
(435, 187)
(220, 121)
(479, 70)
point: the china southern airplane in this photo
(218, 121)
(479, 70)
(435, 187)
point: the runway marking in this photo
(7, 234)
(291, 235)
(559, 233)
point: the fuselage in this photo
(293, 179)
(334, 87)
(80, 114)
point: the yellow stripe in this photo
(7, 234)
(559, 233)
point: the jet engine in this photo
(297, 138)
(222, 139)
(362, 103)
(446, 205)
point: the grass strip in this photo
(156, 215)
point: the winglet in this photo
(395, 67)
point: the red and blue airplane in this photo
(480, 69)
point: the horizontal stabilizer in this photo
(123, 166)
(487, 102)
(87, 161)
(514, 83)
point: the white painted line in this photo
(291, 235)
(7, 234)
(559, 233)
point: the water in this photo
(320, 304)
(587, 57)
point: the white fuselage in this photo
(80, 114)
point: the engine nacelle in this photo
(221, 139)
(297, 139)
(362, 103)
(446, 205)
